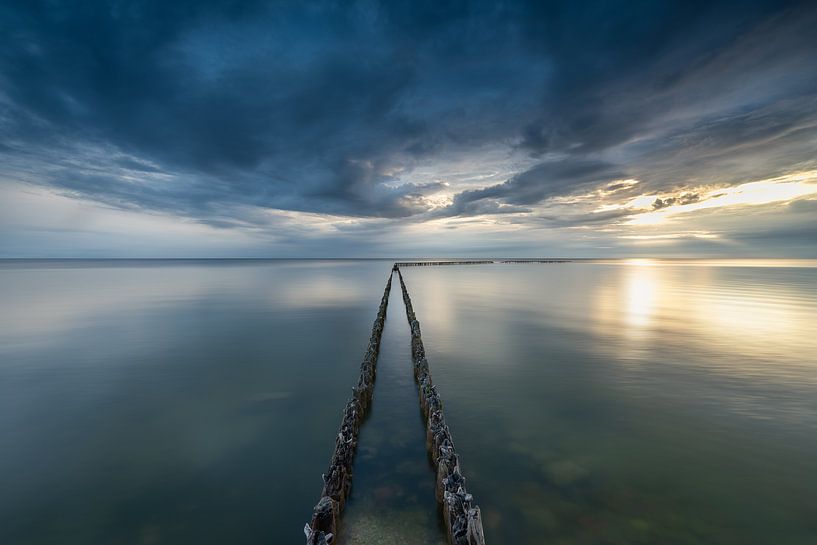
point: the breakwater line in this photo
(473, 262)
(463, 519)
(439, 263)
(337, 481)
(535, 261)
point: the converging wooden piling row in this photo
(535, 261)
(437, 263)
(338, 479)
(463, 519)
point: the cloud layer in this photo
(388, 127)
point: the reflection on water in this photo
(749, 312)
(174, 401)
(648, 401)
(641, 293)
(637, 401)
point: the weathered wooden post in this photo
(337, 481)
(463, 518)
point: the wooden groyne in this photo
(473, 262)
(337, 481)
(438, 263)
(535, 261)
(463, 519)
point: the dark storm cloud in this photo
(206, 109)
(545, 180)
(304, 107)
(730, 104)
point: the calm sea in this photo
(615, 402)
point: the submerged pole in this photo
(337, 481)
(463, 519)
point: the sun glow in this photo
(642, 202)
(639, 262)
(783, 189)
(642, 292)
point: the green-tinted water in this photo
(636, 402)
(174, 402)
(601, 402)
(393, 498)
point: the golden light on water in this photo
(693, 300)
(642, 291)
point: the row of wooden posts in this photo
(463, 519)
(337, 481)
(438, 263)
(475, 262)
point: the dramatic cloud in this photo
(684, 198)
(384, 128)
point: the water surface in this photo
(393, 493)
(641, 401)
(175, 402)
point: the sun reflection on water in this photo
(641, 303)
(641, 294)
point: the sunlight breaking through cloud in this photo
(781, 189)
(314, 129)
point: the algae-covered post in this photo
(337, 481)
(463, 519)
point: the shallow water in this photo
(630, 402)
(174, 401)
(595, 402)
(393, 494)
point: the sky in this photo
(422, 128)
